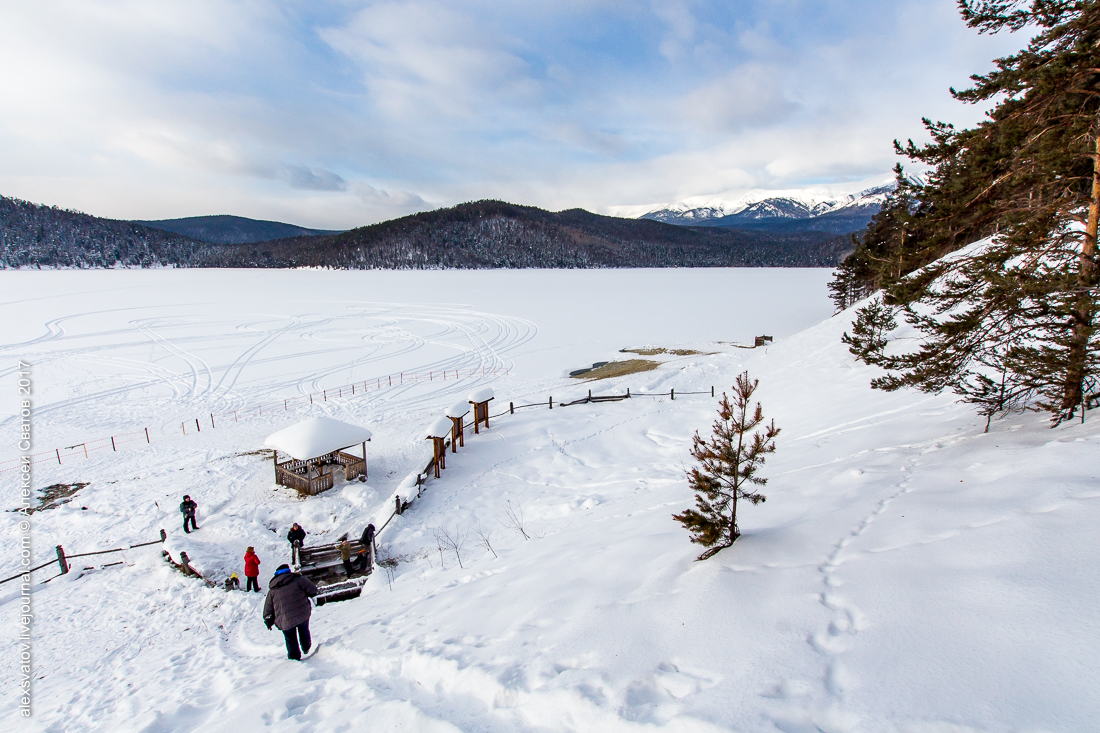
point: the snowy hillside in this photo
(757, 203)
(907, 572)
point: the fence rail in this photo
(195, 424)
(63, 558)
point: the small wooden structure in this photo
(457, 413)
(480, 400)
(763, 340)
(315, 448)
(321, 561)
(438, 433)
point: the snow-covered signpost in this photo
(727, 469)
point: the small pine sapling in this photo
(726, 473)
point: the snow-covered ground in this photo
(907, 573)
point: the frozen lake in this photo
(149, 348)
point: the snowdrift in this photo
(907, 573)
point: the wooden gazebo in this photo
(480, 401)
(315, 448)
(457, 413)
(438, 432)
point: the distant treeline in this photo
(483, 234)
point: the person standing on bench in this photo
(287, 606)
(188, 507)
(345, 555)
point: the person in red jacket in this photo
(251, 570)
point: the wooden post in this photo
(672, 393)
(197, 428)
(234, 416)
(390, 378)
(212, 425)
(397, 509)
(284, 408)
(365, 459)
(511, 409)
(86, 448)
(147, 436)
(113, 444)
(163, 536)
(324, 395)
(628, 393)
(185, 563)
(353, 389)
(184, 426)
(62, 563)
(311, 398)
(551, 402)
(589, 395)
(712, 390)
(58, 450)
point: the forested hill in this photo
(494, 234)
(32, 235)
(483, 234)
(225, 229)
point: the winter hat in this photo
(284, 568)
(250, 549)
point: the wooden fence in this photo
(63, 559)
(195, 424)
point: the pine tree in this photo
(727, 468)
(1011, 322)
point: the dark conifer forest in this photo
(483, 234)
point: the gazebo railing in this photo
(295, 473)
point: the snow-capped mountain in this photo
(839, 207)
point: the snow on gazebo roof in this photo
(441, 428)
(316, 437)
(482, 395)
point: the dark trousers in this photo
(189, 518)
(348, 568)
(252, 583)
(293, 636)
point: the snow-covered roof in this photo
(482, 395)
(316, 437)
(458, 409)
(441, 428)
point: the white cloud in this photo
(333, 114)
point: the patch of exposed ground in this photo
(655, 350)
(616, 369)
(56, 495)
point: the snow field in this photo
(907, 573)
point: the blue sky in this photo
(342, 113)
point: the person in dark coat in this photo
(296, 536)
(251, 570)
(287, 606)
(366, 554)
(188, 507)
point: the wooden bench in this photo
(324, 560)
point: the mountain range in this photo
(795, 230)
(836, 208)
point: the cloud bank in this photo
(337, 114)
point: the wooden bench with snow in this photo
(323, 561)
